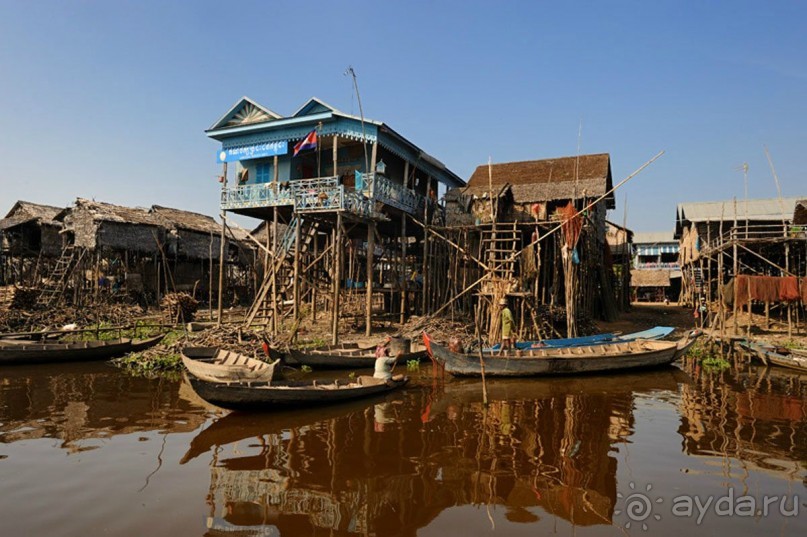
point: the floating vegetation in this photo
(412, 365)
(151, 365)
(306, 368)
(715, 362)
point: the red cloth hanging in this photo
(789, 289)
(741, 290)
(804, 290)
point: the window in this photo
(263, 172)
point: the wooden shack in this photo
(29, 240)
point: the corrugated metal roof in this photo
(771, 209)
(653, 237)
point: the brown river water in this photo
(88, 450)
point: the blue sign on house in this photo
(268, 149)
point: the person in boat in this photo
(384, 363)
(508, 324)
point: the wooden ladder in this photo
(55, 285)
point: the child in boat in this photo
(384, 363)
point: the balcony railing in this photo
(658, 265)
(259, 195)
(326, 194)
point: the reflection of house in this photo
(28, 237)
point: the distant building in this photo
(656, 271)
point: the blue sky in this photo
(110, 99)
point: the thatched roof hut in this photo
(530, 190)
(103, 226)
(30, 227)
(189, 235)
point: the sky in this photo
(110, 99)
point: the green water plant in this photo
(412, 365)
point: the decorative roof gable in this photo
(245, 112)
(315, 106)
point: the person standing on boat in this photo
(384, 363)
(508, 324)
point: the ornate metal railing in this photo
(395, 195)
(259, 195)
(356, 203)
(315, 195)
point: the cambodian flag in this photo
(309, 142)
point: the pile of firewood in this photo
(17, 298)
(179, 307)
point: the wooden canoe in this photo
(345, 356)
(37, 353)
(286, 394)
(563, 361)
(657, 332)
(216, 365)
(779, 356)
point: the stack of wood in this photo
(17, 298)
(179, 307)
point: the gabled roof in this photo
(771, 209)
(315, 106)
(187, 220)
(653, 237)
(548, 179)
(44, 213)
(245, 112)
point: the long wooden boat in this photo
(216, 365)
(76, 351)
(780, 356)
(562, 361)
(657, 332)
(285, 394)
(345, 356)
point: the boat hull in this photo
(348, 357)
(264, 397)
(657, 332)
(591, 359)
(206, 363)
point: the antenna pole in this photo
(352, 73)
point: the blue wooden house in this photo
(354, 187)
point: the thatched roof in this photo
(548, 179)
(800, 214)
(649, 278)
(107, 212)
(24, 211)
(179, 219)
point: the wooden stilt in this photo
(275, 267)
(296, 282)
(337, 281)
(368, 304)
(315, 238)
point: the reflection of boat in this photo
(32, 353)
(563, 361)
(773, 355)
(265, 396)
(344, 356)
(216, 365)
(657, 332)
(238, 426)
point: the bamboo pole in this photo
(219, 306)
(296, 282)
(275, 268)
(315, 238)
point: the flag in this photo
(309, 142)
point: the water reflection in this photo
(390, 467)
(752, 414)
(78, 403)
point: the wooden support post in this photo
(315, 239)
(403, 269)
(368, 305)
(296, 282)
(275, 268)
(373, 157)
(219, 306)
(337, 280)
(335, 155)
(789, 304)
